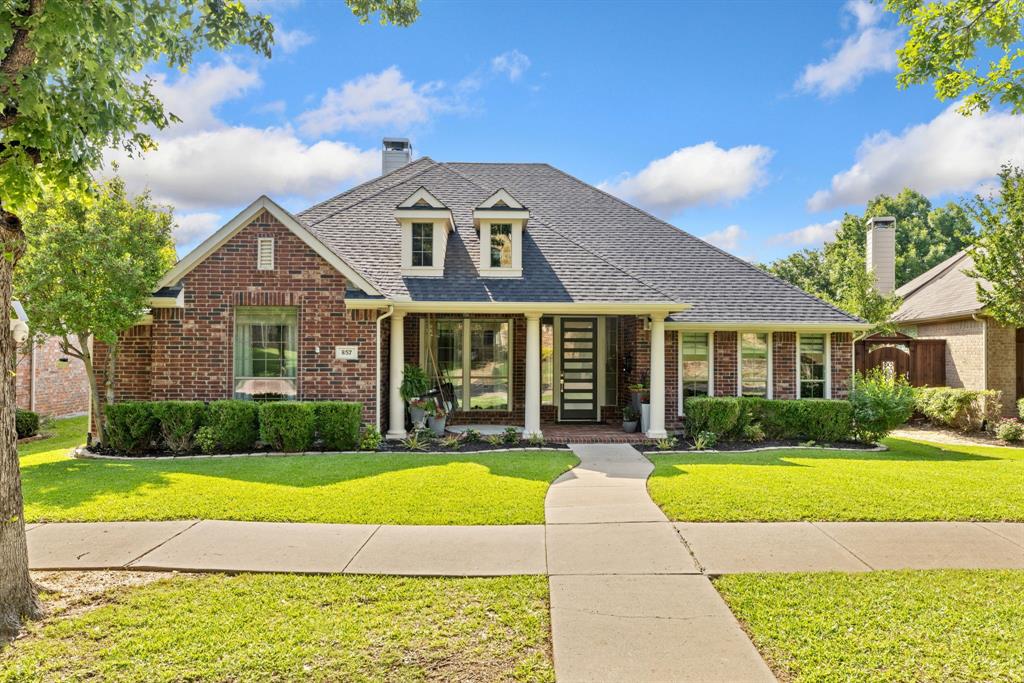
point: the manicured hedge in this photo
(813, 419)
(131, 427)
(337, 424)
(26, 423)
(964, 409)
(288, 425)
(179, 423)
(231, 427)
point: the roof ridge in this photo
(561, 234)
(677, 230)
(940, 269)
(374, 194)
(368, 182)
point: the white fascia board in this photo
(541, 307)
(415, 215)
(501, 195)
(765, 326)
(422, 194)
(168, 302)
(244, 217)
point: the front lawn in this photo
(274, 627)
(949, 625)
(912, 481)
(395, 488)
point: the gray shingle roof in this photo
(941, 292)
(581, 244)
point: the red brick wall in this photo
(842, 363)
(784, 365)
(61, 389)
(190, 349)
(726, 363)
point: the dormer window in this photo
(501, 220)
(425, 223)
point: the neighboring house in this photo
(531, 296)
(942, 304)
(48, 381)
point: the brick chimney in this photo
(881, 253)
(397, 152)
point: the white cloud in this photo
(701, 174)
(192, 227)
(374, 101)
(206, 164)
(291, 41)
(512, 63)
(277, 107)
(728, 238)
(815, 234)
(950, 153)
(868, 50)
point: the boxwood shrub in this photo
(232, 426)
(26, 423)
(966, 410)
(730, 417)
(179, 421)
(337, 424)
(288, 425)
(131, 426)
(711, 414)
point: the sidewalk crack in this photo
(160, 544)
(840, 544)
(360, 548)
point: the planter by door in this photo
(418, 415)
(629, 427)
(437, 424)
(645, 417)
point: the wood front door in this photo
(578, 363)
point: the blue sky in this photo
(754, 124)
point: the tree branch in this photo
(20, 55)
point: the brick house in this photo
(529, 296)
(48, 381)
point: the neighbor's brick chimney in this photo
(881, 253)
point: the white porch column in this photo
(396, 420)
(531, 424)
(656, 429)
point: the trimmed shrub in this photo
(880, 403)
(131, 426)
(179, 422)
(337, 424)
(1010, 430)
(26, 423)
(288, 425)
(712, 414)
(966, 410)
(370, 440)
(232, 426)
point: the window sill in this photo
(501, 272)
(411, 271)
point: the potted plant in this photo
(414, 385)
(630, 416)
(436, 419)
(638, 394)
(418, 409)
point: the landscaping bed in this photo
(682, 444)
(940, 625)
(261, 627)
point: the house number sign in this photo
(346, 352)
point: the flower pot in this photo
(636, 399)
(418, 415)
(629, 427)
(645, 417)
(437, 424)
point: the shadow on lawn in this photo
(899, 451)
(70, 483)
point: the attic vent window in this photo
(423, 203)
(265, 253)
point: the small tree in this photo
(998, 252)
(88, 272)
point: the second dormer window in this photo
(501, 245)
(422, 245)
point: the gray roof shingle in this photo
(581, 245)
(944, 291)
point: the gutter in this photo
(391, 310)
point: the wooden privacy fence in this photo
(921, 361)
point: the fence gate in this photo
(921, 361)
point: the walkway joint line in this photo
(161, 543)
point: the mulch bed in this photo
(734, 446)
(432, 446)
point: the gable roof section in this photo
(244, 217)
(944, 291)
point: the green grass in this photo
(912, 481)
(401, 488)
(286, 627)
(885, 626)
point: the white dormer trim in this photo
(242, 220)
(501, 208)
(423, 207)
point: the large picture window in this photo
(754, 364)
(422, 245)
(696, 365)
(266, 353)
(473, 356)
(812, 366)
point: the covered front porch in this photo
(558, 373)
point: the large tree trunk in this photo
(17, 594)
(84, 353)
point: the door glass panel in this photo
(579, 369)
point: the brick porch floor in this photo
(589, 433)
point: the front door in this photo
(578, 363)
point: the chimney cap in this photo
(397, 143)
(882, 221)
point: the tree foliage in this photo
(925, 236)
(998, 251)
(942, 48)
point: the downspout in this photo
(391, 309)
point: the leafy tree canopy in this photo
(942, 48)
(997, 253)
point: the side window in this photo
(812, 366)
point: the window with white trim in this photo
(696, 364)
(264, 253)
(754, 364)
(501, 245)
(474, 357)
(422, 245)
(812, 366)
(265, 353)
